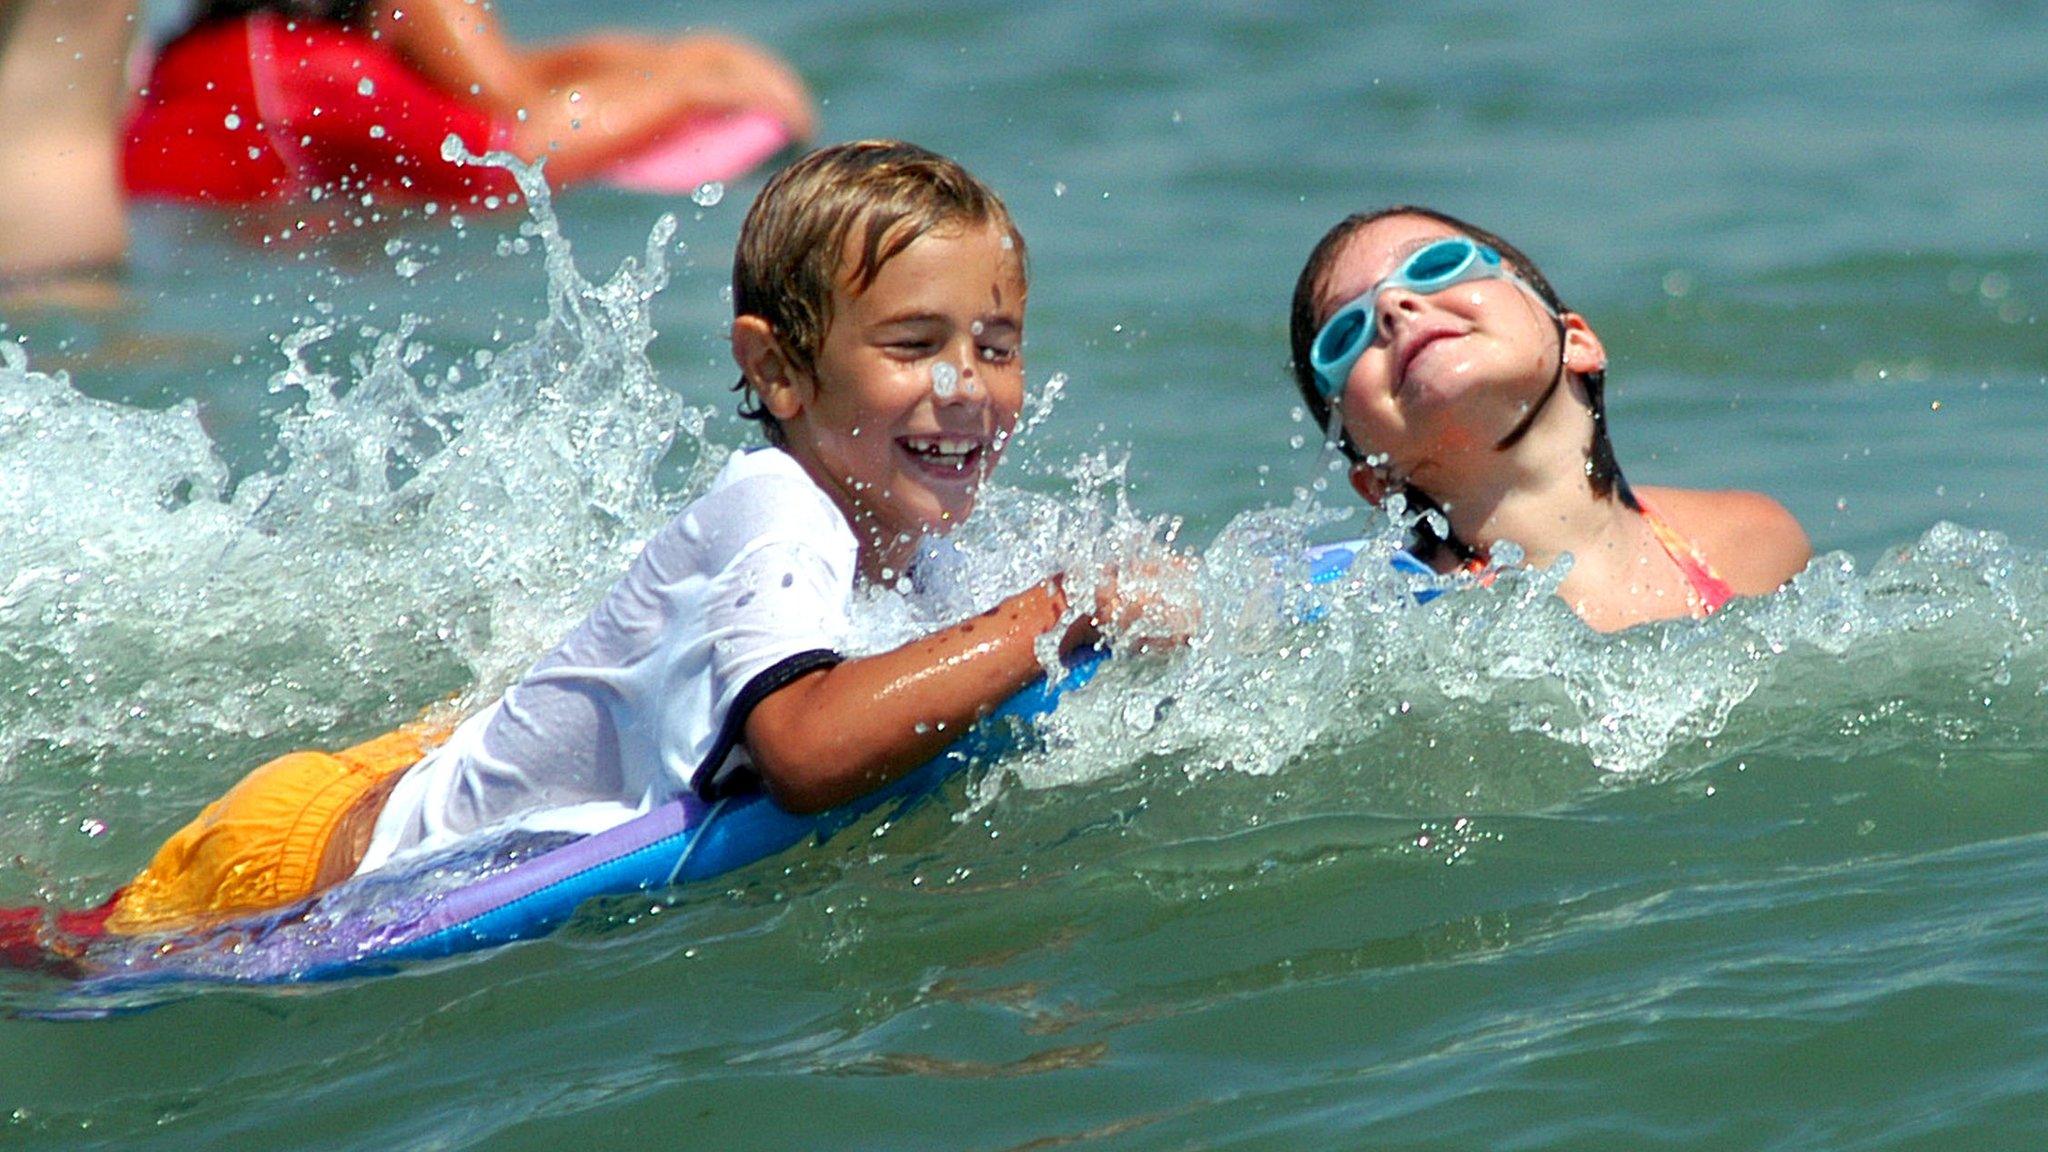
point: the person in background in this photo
(63, 88)
(263, 100)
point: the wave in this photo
(425, 529)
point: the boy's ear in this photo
(784, 392)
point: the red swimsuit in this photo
(267, 108)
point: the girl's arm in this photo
(842, 732)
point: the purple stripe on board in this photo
(579, 855)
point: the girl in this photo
(1448, 370)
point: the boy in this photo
(879, 313)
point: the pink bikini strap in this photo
(1710, 592)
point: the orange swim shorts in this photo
(260, 846)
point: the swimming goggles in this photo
(1432, 268)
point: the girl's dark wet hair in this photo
(1602, 471)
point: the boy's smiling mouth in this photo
(945, 456)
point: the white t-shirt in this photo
(743, 592)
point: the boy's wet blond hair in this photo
(792, 246)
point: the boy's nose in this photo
(954, 381)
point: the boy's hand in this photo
(1146, 606)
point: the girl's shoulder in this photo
(1749, 539)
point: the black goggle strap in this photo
(1521, 429)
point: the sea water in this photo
(1378, 875)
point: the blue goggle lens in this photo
(1431, 269)
(1440, 261)
(1345, 331)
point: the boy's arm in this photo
(842, 732)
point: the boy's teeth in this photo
(941, 445)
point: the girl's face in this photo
(1448, 374)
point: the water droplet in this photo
(376, 131)
(366, 87)
(708, 194)
(233, 121)
(945, 380)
